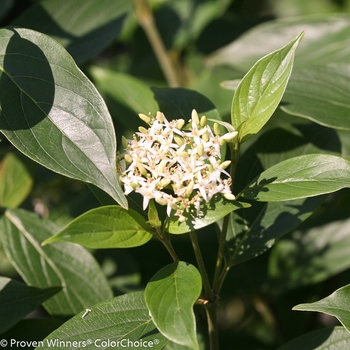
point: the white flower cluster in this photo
(177, 166)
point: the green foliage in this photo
(74, 76)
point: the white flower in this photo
(188, 162)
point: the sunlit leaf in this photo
(300, 177)
(170, 296)
(66, 265)
(106, 227)
(336, 304)
(53, 114)
(122, 322)
(261, 90)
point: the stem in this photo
(206, 284)
(210, 309)
(144, 15)
(167, 244)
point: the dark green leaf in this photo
(110, 324)
(300, 177)
(321, 94)
(310, 256)
(178, 103)
(66, 265)
(261, 90)
(321, 339)
(170, 296)
(211, 213)
(106, 227)
(15, 180)
(17, 300)
(53, 114)
(336, 304)
(273, 220)
(83, 27)
(327, 40)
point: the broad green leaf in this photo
(170, 296)
(310, 256)
(17, 300)
(68, 266)
(327, 40)
(261, 90)
(212, 212)
(106, 227)
(122, 322)
(320, 93)
(247, 240)
(126, 89)
(76, 25)
(178, 103)
(5, 6)
(300, 177)
(321, 339)
(336, 304)
(16, 180)
(53, 114)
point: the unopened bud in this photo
(194, 117)
(145, 118)
(161, 201)
(229, 196)
(127, 158)
(124, 141)
(164, 182)
(200, 149)
(143, 130)
(203, 121)
(179, 140)
(216, 129)
(160, 117)
(205, 136)
(189, 189)
(230, 136)
(225, 164)
(142, 170)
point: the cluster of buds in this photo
(176, 165)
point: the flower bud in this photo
(200, 149)
(145, 118)
(203, 121)
(160, 117)
(143, 130)
(229, 196)
(225, 164)
(189, 189)
(194, 117)
(124, 141)
(179, 140)
(161, 201)
(230, 136)
(216, 129)
(205, 136)
(128, 158)
(180, 124)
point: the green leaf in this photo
(310, 256)
(126, 89)
(110, 324)
(327, 40)
(53, 114)
(66, 265)
(300, 177)
(17, 300)
(178, 103)
(247, 240)
(106, 227)
(336, 304)
(211, 212)
(170, 296)
(261, 90)
(321, 339)
(75, 24)
(320, 93)
(16, 179)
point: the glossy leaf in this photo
(336, 304)
(170, 296)
(17, 300)
(178, 103)
(68, 266)
(53, 114)
(320, 339)
(76, 25)
(327, 40)
(16, 180)
(261, 90)
(320, 93)
(122, 322)
(247, 240)
(310, 256)
(211, 212)
(106, 227)
(300, 177)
